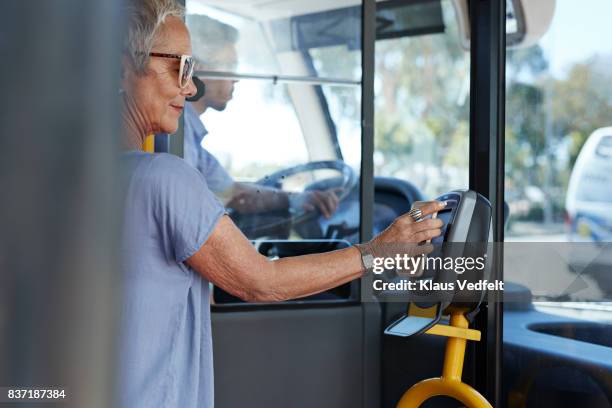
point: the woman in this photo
(177, 238)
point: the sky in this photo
(580, 29)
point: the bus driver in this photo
(216, 50)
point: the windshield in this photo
(422, 101)
(557, 94)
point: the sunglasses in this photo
(186, 68)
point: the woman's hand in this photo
(407, 237)
(406, 230)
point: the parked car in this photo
(589, 195)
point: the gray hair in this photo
(209, 38)
(144, 18)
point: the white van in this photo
(589, 195)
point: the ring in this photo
(415, 214)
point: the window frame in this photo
(486, 164)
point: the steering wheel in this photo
(279, 223)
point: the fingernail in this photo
(443, 204)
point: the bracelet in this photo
(367, 256)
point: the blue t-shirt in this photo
(166, 343)
(217, 178)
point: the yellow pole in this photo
(149, 144)
(455, 350)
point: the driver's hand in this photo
(326, 201)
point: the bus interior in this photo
(391, 102)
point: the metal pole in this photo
(487, 102)
(371, 378)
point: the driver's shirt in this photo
(217, 178)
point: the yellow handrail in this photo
(450, 384)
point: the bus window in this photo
(289, 121)
(557, 185)
(422, 108)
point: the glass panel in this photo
(284, 139)
(422, 109)
(250, 155)
(281, 117)
(272, 37)
(558, 313)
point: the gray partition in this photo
(58, 212)
(306, 357)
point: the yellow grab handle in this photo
(422, 391)
(149, 144)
